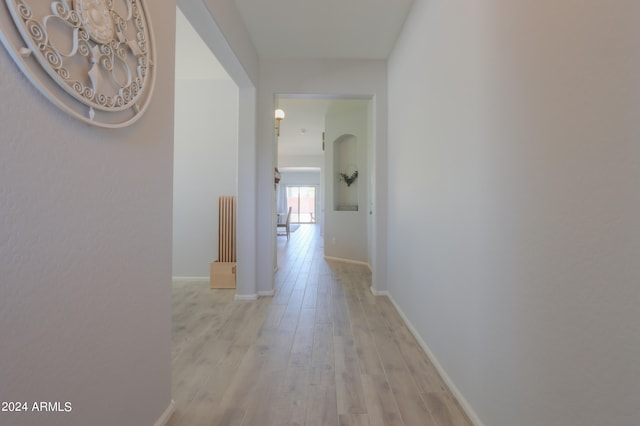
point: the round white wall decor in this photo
(92, 58)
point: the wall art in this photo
(92, 58)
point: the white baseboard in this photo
(269, 293)
(355, 262)
(245, 297)
(190, 279)
(380, 293)
(473, 416)
(164, 418)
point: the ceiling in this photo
(338, 29)
(301, 130)
(357, 29)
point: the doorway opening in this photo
(310, 141)
(303, 201)
(205, 151)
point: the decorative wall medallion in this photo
(92, 58)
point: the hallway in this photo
(322, 351)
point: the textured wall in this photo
(514, 203)
(85, 254)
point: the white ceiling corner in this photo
(194, 59)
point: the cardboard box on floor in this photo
(223, 274)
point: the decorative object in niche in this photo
(349, 179)
(94, 59)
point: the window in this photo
(302, 199)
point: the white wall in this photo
(222, 29)
(300, 161)
(205, 167)
(309, 178)
(514, 139)
(346, 231)
(236, 52)
(318, 77)
(85, 254)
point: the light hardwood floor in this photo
(322, 351)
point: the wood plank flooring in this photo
(323, 351)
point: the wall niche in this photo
(345, 167)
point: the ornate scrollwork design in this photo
(100, 52)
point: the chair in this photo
(286, 223)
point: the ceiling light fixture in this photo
(279, 117)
